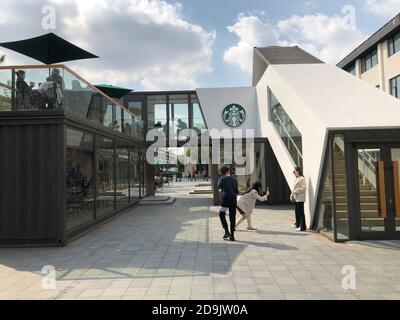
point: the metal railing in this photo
(286, 136)
(56, 87)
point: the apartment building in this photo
(377, 60)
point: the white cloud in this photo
(386, 8)
(329, 38)
(139, 41)
(251, 31)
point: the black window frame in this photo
(351, 69)
(394, 89)
(392, 49)
(369, 58)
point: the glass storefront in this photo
(105, 176)
(79, 167)
(135, 168)
(122, 175)
(170, 113)
(96, 190)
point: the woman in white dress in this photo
(247, 202)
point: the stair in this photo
(368, 196)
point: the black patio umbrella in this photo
(113, 91)
(49, 49)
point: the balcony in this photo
(56, 87)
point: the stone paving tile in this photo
(177, 252)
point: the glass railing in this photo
(56, 87)
(289, 133)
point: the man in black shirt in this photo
(229, 187)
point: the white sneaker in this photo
(298, 229)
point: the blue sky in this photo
(163, 44)
(218, 14)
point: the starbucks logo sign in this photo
(234, 115)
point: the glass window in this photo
(122, 175)
(135, 175)
(395, 87)
(79, 169)
(118, 122)
(259, 172)
(157, 112)
(325, 205)
(5, 90)
(78, 97)
(198, 120)
(136, 121)
(38, 89)
(179, 115)
(290, 135)
(339, 171)
(136, 108)
(105, 176)
(369, 61)
(394, 44)
(352, 69)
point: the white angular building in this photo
(342, 131)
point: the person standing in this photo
(247, 202)
(206, 174)
(194, 173)
(298, 196)
(229, 187)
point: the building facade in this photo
(377, 60)
(74, 157)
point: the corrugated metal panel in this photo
(29, 181)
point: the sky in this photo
(188, 44)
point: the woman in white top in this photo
(298, 196)
(247, 202)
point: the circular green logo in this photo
(234, 115)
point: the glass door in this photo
(395, 208)
(378, 192)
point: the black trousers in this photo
(231, 204)
(300, 217)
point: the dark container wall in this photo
(32, 181)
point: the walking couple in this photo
(247, 201)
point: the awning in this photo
(113, 91)
(48, 49)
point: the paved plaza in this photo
(177, 252)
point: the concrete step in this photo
(203, 185)
(157, 200)
(201, 192)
